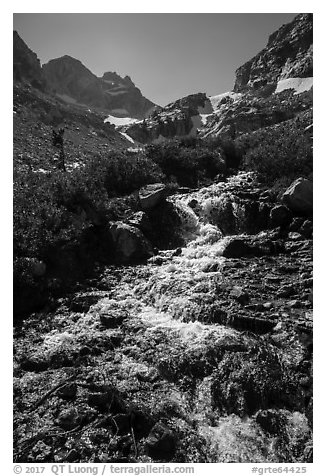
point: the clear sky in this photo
(167, 55)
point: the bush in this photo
(60, 218)
(189, 161)
(278, 152)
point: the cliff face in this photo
(179, 118)
(26, 64)
(288, 54)
(272, 87)
(72, 80)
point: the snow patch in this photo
(127, 137)
(204, 118)
(216, 100)
(298, 84)
(120, 121)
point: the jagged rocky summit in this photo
(274, 86)
(26, 65)
(72, 82)
(288, 54)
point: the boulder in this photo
(235, 248)
(37, 267)
(161, 443)
(140, 220)
(254, 245)
(271, 420)
(69, 419)
(240, 295)
(306, 229)
(113, 318)
(130, 244)
(296, 224)
(299, 197)
(68, 391)
(253, 324)
(280, 215)
(151, 195)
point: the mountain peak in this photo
(26, 65)
(288, 53)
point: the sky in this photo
(167, 55)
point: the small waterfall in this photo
(189, 219)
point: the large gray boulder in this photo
(280, 215)
(152, 195)
(299, 197)
(130, 244)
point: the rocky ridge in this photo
(272, 87)
(26, 65)
(288, 54)
(73, 83)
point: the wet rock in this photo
(280, 215)
(140, 220)
(69, 419)
(106, 397)
(193, 203)
(286, 291)
(272, 421)
(35, 362)
(253, 324)
(296, 224)
(299, 197)
(113, 318)
(307, 283)
(130, 243)
(99, 399)
(73, 456)
(306, 229)
(295, 236)
(68, 391)
(38, 267)
(235, 248)
(217, 315)
(161, 443)
(244, 383)
(149, 375)
(141, 421)
(151, 195)
(255, 245)
(240, 295)
(83, 303)
(308, 452)
(42, 452)
(121, 423)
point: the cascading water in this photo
(171, 330)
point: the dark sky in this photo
(167, 55)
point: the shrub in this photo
(60, 218)
(188, 161)
(278, 152)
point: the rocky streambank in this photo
(201, 353)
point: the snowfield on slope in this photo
(120, 121)
(298, 84)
